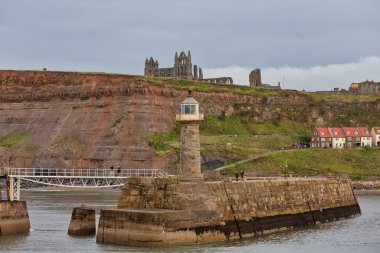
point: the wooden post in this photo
(1, 195)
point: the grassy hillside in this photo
(231, 140)
(248, 133)
(360, 164)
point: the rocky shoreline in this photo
(366, 185)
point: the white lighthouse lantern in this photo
(189, 110)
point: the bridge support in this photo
(13, 188)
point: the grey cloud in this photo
(117, 35)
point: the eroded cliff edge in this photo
(86, 120)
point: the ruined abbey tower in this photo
(255, 78)
(183, 68)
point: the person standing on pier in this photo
(111, 168)
(242, 175)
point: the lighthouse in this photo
(190, 160)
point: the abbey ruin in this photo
(183, 68)
(255, 80)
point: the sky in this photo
(311, 45)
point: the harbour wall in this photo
(163, 212)
(14, 218)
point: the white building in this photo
(338, 137)
(375, 136)
(365, 137)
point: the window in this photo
(348, 138)
(323, 139)
(357, 138)
(188, 109)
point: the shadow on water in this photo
(50, 213)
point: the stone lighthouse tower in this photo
(190, 118)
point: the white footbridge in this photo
(74, 178)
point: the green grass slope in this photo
(228, 139)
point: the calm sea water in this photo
(50, 214)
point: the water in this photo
(50, 214)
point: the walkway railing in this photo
(84, 173)
(77, 178)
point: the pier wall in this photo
(14, 218)
(164, 212)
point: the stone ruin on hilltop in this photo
(183, 68)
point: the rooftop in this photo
(364, 131)
(337, 132)
(324, 132)
(351, 131)
(190, 100)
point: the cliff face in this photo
(88, 120)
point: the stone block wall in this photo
(274, 197)
(82, 222)
(256, 198)
(190, 151)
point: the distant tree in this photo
(304, 138)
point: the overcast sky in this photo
(313, 45)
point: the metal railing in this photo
(84, 173)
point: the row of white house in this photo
(341, 137)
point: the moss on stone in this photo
(9, 141)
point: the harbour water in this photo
(50, 213)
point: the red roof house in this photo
(321, 138)
(353, 137)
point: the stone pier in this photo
(14, 218)
(82, 222)
(155, 212)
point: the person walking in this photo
(237, 176)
